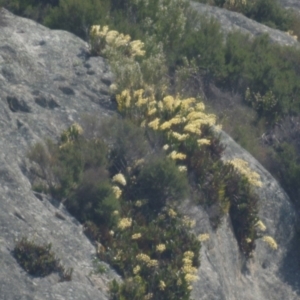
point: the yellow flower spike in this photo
(189, 254)
(111, 37)
(136, 236)
(138, 203)
(165, 125)
(154, 124)
(95, 29)
(196, 115)
(200, 106)
(136, 48)
(270, 241)
(182, 168)
(203, 237)
(186, 103)
(162, 285)
(119, 178)
(151, 111)
(261, 226)
(143, 257)
(104, 31)
(192, 129)
(161, 248)
(190, 277)
(152, 263)
(136, 269)
(168, 102)
(117, 191)
(176, 155)
(243, 167)
(123, 100)
(179, 137)
(172, 213)
(203, 142)
(124, 223)
(160, 105)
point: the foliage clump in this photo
(38, 260)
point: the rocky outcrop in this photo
(270, 274)
(231, 21)
(47, 81)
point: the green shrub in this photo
(160, 181)
(77, 16)
(288, 169)
(93, 200)
(39, 260)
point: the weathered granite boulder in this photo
(47, 81)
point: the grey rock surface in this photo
(231, 21)
(47, 81)
(291, 4)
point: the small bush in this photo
(160, 181)
(39, 260)
(77, 16)
(94, 200)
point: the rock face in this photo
(230, 21)
(47, 81)
(224, 273)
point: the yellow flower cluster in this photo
(188, 222)
(136, 269)
(172, 213)
(248, 240)
(242, 167)
(182, 168)
(117, 191)
(261, 226)
(189, 254)
(178, 136)
(125, 223)
(138, 203)
(139, 162)
(123, 100)
(192, 128)
(161, 248)
(203, 142)
(143, 257)
(115, 40)
(146, 259)
(152, 263)
(154, 124)
(270, 241)
(136, 236)
(119, 178)
(177, 155)
(166, 147)
(71, 134)
(148, 296)
(162, 285)
(203, 237)
(119, 255)
(170, 103)
(188, 268)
